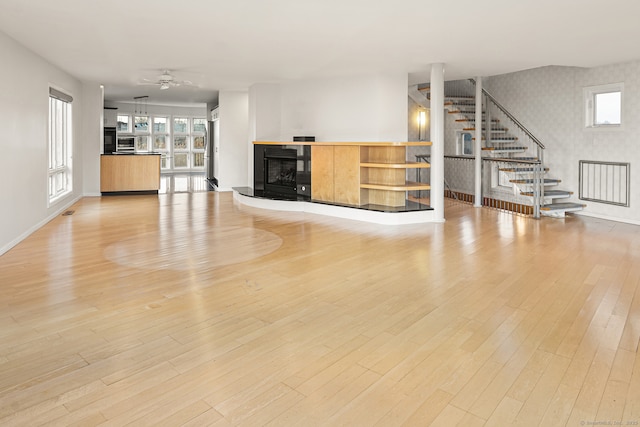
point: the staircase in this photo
(518, 162)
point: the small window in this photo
(180, 125)
(160, 142)
(142, 143)
(123, 123)
(180, 143)
(465, 144)
(199, 125)
(160, 125)
(603, 106)
(142, 123)
(198, 142)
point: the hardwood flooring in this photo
(189, 309)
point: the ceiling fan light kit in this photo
(166, 80)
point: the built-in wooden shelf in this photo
(383, 171)
(407, 186)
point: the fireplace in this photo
(280, 165)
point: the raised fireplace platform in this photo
(413, 213)
(355, 180)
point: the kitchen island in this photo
(124, 173)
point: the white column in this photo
(437, 139)
(477, 149)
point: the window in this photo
(141, 124)
(142, 143)
(500, 178)
(161, 136)
(181, 151)
(197, 150)
(180, 125)
(123, 123)
(603, 106)
(465, 144)
(60, 145)
(160, 125)
(199, 125)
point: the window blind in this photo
(54, 93)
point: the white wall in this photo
(355, 108)
(92, 105)
(24, 105)
(549, 102)
(234, 140)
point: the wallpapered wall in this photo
(549, 101)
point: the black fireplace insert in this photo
(280, 166)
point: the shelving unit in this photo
(383, 174)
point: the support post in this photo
(477, 149)
(437, 140)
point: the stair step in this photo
(507, 140)
(493, 130)
(550, 194)
(524, 158)
(473, 120)
(460, 103)
(565, 207)
(547, 181)
(515, 148)
(521, 170)
(469, 112)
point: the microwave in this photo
(127, 143)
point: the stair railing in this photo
(459, 171)
(462, 94)
(538, 176)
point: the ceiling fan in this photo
(167, 80)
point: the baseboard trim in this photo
(58, 211)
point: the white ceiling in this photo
(232, 44)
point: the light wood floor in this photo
(188, 309)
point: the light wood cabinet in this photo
(133, 172)
(335, 174)
(322, 166)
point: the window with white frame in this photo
(160, 130)
(180, 142)
(198, 134)
(465, 144)
(123, 124)
(603, 106)
(141, 124)
(60, 145)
